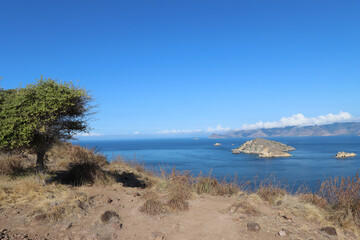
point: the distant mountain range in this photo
(335, 129)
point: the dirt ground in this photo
(208, 217)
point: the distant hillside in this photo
(347, 128)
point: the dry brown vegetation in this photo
(12, 164)
(52, 201)
(152, 205)
(336, 202)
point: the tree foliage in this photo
(41, 114)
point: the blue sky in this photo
(157, 66)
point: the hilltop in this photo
(335, 129)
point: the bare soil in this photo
(208, 217)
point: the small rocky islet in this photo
(345, 155)
(264, 148)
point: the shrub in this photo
(179, 190)
(152, 205)
(86, 171)
(271, 190)
(64, 154)
(343, 195)
(213, 187)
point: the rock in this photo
(254, 227)
(264, 148)
(282, 233)
(108, 216)
(329, 230)
(40, 217)
(217, 144)
(345, 155)
(109, 200)
(136, 194)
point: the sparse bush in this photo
(64, 154)
(213, 187)
(343, 195)
(178, 204)
(86, 171)
(271, 190)
(152, 205)
(314, 199)
(179, 190)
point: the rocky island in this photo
(264, 148)
(345, 155)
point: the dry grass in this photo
(53, 201)
(343, 196)
(87, 172)
(62, 155)
(244, 207)
(153, 205)
(12, 164)
(178, 187)
(212, 186)
(271, 191)
(120, 165)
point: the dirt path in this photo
(208, 218)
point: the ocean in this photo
(312, 161)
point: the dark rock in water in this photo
(264, 148)
(254, 227)
(329, 230)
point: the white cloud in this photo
(208, 130)
(217, 129)
(136, 132)
(300, 120)
(177, 131)
(91, 134)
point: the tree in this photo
(40, 115)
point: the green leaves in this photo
(41, 114)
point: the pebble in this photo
(254, 227)
(282, 233)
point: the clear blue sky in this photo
(163, 65)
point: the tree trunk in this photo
(40, 166)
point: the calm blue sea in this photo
(313, 158)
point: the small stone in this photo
(282, 233)
(136, 194)
(109, 200)
(329, 230)
(68, 226)
(254, 227)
